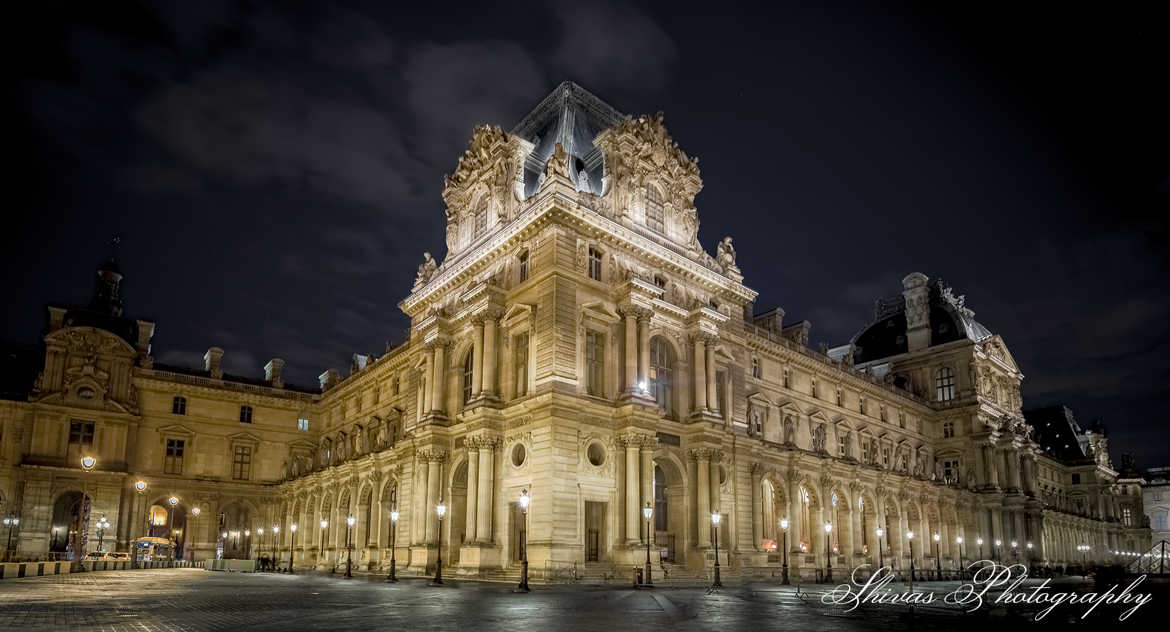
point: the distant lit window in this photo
(174, 459)
(242, 463)
(179, 406)
(948, 429)
(1127, 516)
(595, 264)
(1160, 521)
(245, 414)
(944, 384)
(303, 423)
(654, 212)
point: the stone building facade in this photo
(578, 344)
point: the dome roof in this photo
(885, 335)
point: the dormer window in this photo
(654, 211)
(944, 382)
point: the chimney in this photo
(212, 362)
(917, 295)
(329, 379)
(272, 372)
(56, 318)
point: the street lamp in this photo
(248, 544)
(784, 569)
(1084, 549)
(275, 547)
(393, 532)
(979, 541)
(102, 525)
(910, 538)
(88, 463)
(996, 550)
(349, 522)
(9, 522)
(260, 535)
(324, 525)
(53, 544)
(524, 501)
(292, 547)
(1014, 554)
(828, 553)
(715, 517)
(441, 510)
(171, 521)
(959, 541)
(140, 486)
(648, 513)
(881, 557)
(937, 558)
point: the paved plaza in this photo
(194, 599)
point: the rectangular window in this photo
(948, 429)
(245, 414)
(595, 264)
(520, 357)
(523, 262)
(594, 362)
(481, 217)
(1076, 478)
(174, 460)
(179, 406)
(81, 433)
(787, 378)
(885, 457)
(302, 423)
(242, 463)
(951, 469)
(842, 445)
(654, 210)
(721, 392)
(1126, 516)
(397, 385)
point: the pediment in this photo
(176, 430)
(244, 437)
(597, 311)
(517, 314)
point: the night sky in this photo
(275, 171)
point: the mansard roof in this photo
(1058, 432)
(885, 335)
(572, 116)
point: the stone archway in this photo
(670, 510)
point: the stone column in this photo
(644, 348)
(632, 489)
(795, 513)
(980, 468)
(428, 383)
(992, 457)
(1013, 457)
(438, 405)
(432, 499)
(472, 518)
(631, 350)
(703, 498)
(712, 394)
(855, 538)
(996, 529)
(477, 359)
(716, 457)
(700, 374)
(759, 502)
(489, 355)
(487, 476)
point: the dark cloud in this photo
(613, 46)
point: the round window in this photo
(518, 454)
(595, 453)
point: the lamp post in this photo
(995, 550)
(979, 541)
(292, 547)
(1028, 557)
(784, 568)
(441, 510)
(349, 523)
(393, 532)
(525, 499)
(88, 463)
(1014, 552)
(648, 513)
(53, 543)
(324, 525)
(275, 547)
(1084, 549)
(140, 490)
(260, 534)
(828, 553)
(881, 558)
(102, 525)
(959, 541)
(248, 543)
(715, 517)
(195, 511)
(910, 539)
(937, 558)
(9, 522)
(171, 521)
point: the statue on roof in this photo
(426, 271)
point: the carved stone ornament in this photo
(426, 271)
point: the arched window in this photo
(468, 374)
(481, 213)
(662, 374)
(654, 212)
(944, 384)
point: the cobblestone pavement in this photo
(194, 599)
